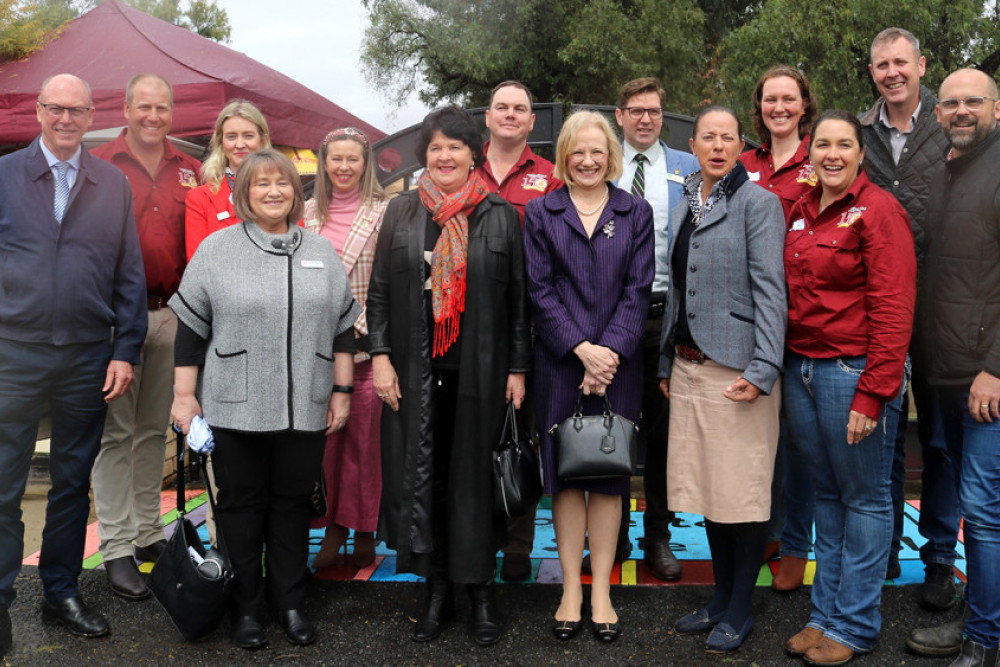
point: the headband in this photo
(351, 132)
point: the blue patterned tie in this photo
(62, 189)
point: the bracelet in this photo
(343, 388)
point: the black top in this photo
(679, 265)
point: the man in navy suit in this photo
(655, 172)
(72, 322)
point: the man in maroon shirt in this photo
(513, 171)
(128, 472)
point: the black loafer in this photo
(76, 616)
(298, 628)
(125, 580)
(566, 630)
(606, 632)
(150, 553)
(249, 633)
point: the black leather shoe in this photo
(566, 630)
(438, 612)
(622, 553)
(249, 633)
(606, 632)
(6, 636)
(76, 616)
(151, 553)
(892, 569)
(516, 567)
(939, 592)
(486, 627)
(662, 562)
(976, 655)
(125, 580)
(297, 627)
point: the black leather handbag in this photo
(595, 446)
(191, 583)
(517, 479)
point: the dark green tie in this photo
(639, 180)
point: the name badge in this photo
(222, 216)
(676, 178)
(798, 225)
(312, 264)
(753, 176)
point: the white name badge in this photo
(676, 178)
(798, 225)
(753, 176)
(223, 215)
(312, 264)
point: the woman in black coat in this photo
(448, 326)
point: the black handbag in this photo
(517, 478)
(596, 446)
(191, 583)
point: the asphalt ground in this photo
(369, 623)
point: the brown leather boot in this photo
(828, 653)
(804, 640)
(791, 570)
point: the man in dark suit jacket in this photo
(72, 321)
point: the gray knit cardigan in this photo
(269, 307)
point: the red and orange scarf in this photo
(450, 256)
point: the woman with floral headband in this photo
(347, 210)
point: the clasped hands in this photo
(600, 364)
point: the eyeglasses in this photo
(57, 111)
(974, 103)
(636, 113)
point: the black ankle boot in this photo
(438, 611)
(485, 628)
(976, 655)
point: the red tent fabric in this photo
(114, 41)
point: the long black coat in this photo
(495, 342)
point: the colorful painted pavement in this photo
(688, 543)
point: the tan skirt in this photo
(720, 459)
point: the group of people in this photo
(751, 310)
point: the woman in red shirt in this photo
(784, 108)
(851, 274)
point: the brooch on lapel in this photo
(609, 228)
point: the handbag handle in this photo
(509, 425)
(578, 412)
(182, 501)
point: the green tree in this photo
(206, 18)
(564, 50)
(831, 43)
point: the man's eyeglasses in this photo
(636, 113)
(974, 103)
(57, 111)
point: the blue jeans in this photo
(939, 516)
(798, 494)
(853, 502)
(975, 449)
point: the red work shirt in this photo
(529, 179)
(159, 209)
(852, 276)
(795, 178)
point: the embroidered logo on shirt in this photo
(535, 182)
(807, 175)
(851, 215)
(798, 225)
(187, 178)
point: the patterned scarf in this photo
(723, 189)
(448, 261)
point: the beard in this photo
(967, 140)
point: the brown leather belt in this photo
(689, 353)
(154, 302)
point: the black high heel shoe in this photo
(566, 630)
(606, 632)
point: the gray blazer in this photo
(736, 286)
(270, 315)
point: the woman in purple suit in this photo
(589, 257)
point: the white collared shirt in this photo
(74, 163)
(656, 193)
(897, 138)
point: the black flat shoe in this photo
(606, 632)
(76, 616)
(566, 630)
(297, 626)
(249, 633)
(439, 610)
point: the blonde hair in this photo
(567, 141)
(370, 189)
(214, 169)
(266, 160)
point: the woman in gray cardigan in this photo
(250, 291)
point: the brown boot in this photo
(791, 570)
(828, 653)
(803, 641)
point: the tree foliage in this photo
(27, 25)
(564, 50)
